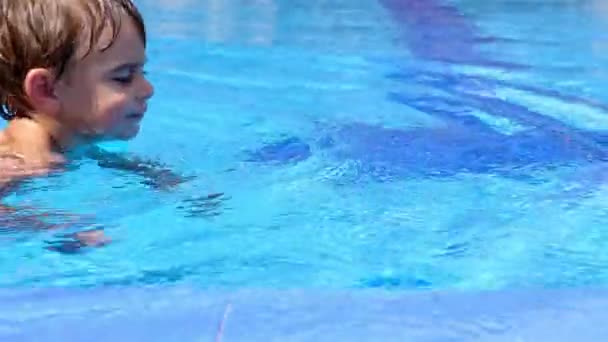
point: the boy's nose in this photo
(146, 91)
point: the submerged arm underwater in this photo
(88, 233)
(155, 174)
(27, 219)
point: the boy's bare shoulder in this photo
(14, 167)
(33, 162)
(9, 160)
(11, 167)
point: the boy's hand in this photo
(93, 238)
(74, 243)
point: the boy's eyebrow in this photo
(129, 66)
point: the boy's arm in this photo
(27, 218)
(156, 175)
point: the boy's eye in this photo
(126, 77)
(123, 79)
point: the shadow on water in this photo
(436, 31)
(433, 30)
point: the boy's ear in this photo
(39, 87)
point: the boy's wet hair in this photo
(50, 34)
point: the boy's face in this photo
(104, 95)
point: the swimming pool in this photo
(392, 145)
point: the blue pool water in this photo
(393, 144)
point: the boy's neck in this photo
(59, 138)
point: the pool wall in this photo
(182, 313)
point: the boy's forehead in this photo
(125, 45)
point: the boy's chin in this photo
(124, 135)
(127, 133)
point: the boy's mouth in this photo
(135, 116)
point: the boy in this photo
(71, 75)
